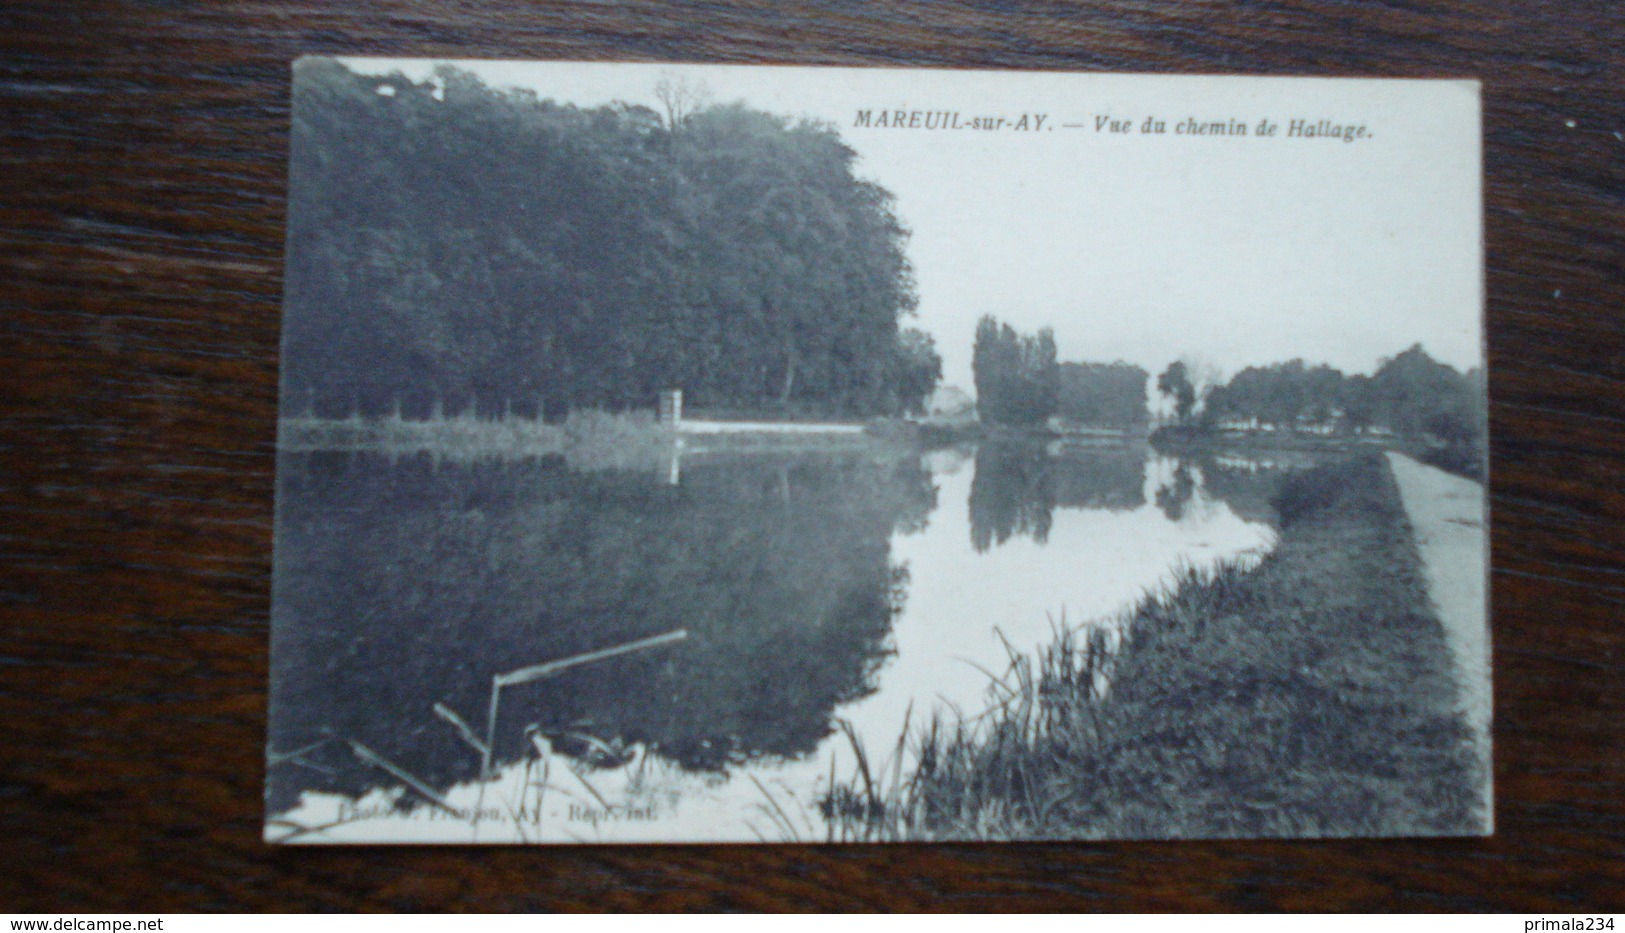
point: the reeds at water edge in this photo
(975, 774)
(520, 811)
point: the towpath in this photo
(768, 427)
(1447, 514)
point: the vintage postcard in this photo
(724, 453)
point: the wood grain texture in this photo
(141, 210)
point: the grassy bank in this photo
(1176, 441)
(589, 440)
(1309, 695)
(1462, 456)
(588, 437)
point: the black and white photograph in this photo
(725, 453)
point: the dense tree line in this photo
(919, 370)
(455, 243)
(1280, 395)
(1410, 394)
(1019, 382)
(1107, 395)
(1017, 375)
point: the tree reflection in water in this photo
(400, 585)
(1173, 497)
(1018, 486)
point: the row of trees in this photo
(1017, 375)
(1410, 394)
(451, 242)
(1019, 382)
(1107, 395)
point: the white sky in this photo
(1233, 250)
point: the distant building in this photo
(951, 403)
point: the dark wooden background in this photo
(143, 147)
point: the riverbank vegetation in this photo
(1308, 694)
(486, 248)
(587, 439)
(1412, 400)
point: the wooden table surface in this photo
(141, 216)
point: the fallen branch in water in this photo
(525, 675)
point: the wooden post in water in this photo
(674, 463)
(671, 407)
(670, 411)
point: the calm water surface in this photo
(854, 585)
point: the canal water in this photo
(800, 590)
